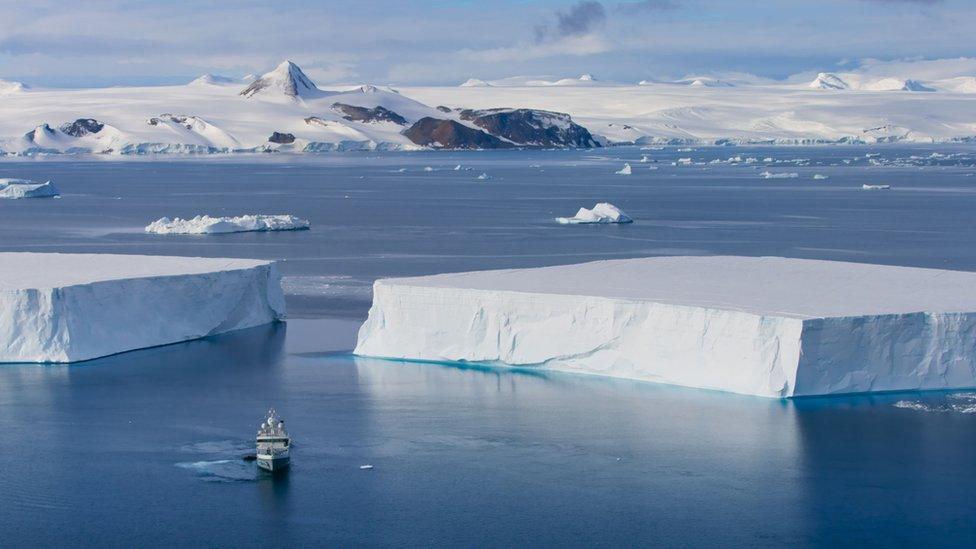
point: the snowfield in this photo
(204, 224)
(25, 188)
(284, 111)
(765, 326)
(72, 307)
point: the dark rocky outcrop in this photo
(442, 108)
(363, 114)
(532, 127)
(281, 138)
(183, 119)
(81, 127)
(450, 134)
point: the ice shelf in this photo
(766, 326)
(72, 307)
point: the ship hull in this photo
(274, 464)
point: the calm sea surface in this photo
(144, 449)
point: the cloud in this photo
(650, 5)
(582, 18)
(589, 44)
(917, 2)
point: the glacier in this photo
(57, 308)
(284, 111)
(205, 224)
(765, 326)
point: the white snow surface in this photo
(766, 326)
(205, 224)
(601, 213)
(25, 188)
(73, 307)
(213, 115)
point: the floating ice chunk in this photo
(402, 170)
(684, 161)
(457, 168)
(624, 171)
(72, 307)
(765, 326)
(428, 169)
(820, 176)
(875, 187)
(645, 159)
(365, 467)
(603, 212)
(25, 188)
(780, 175)
(204, 224)
(484, 177)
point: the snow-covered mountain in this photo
(287, 80)
(284, 110)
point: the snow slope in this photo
(664, 113)
(72, 307)
(770, 327)
(283, 110)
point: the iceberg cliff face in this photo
(75, 307)
(767, 332)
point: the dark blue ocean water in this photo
(143, 449)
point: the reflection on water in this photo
(152, 441)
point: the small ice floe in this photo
(428, 169)
(684, 162)
(457, 168)
(820, 176)
(25, 188)
(624, 171)
(962, 403)
(535, 165)
(402, 170)
(603, 212)
(204, 224)
(867, 187)
(484, 177)
(645, 159)
(779, 175)
(365, 467)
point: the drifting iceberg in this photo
(780, 175)
(766, 326)
(25, 188)
(624, 171)
(204, 224)
(603, 212)
(73, 307)
(867, 187)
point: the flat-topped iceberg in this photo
(204, 224)
(25, 188)
(73, 307)
(601, 213)
(766, 326)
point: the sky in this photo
(439, 42)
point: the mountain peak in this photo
(287, 79)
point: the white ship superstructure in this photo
(273, 443)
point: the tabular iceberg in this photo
(765, 326)
(73, 307)
(25, 188)
(204, 224)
